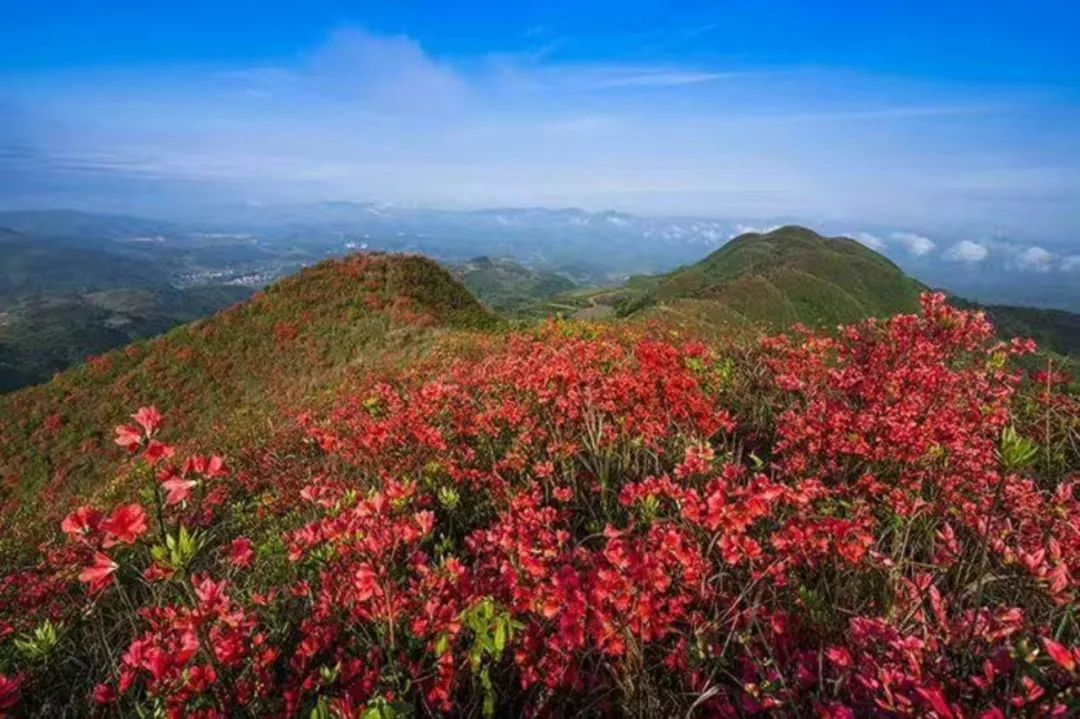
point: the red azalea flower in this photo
(149, 418)
(209, 467)
(1060, 654)
(177, 490)
(128, 437)
(157, 572)
(99, 574)
(104, 694)
(125, 525)
(81, 522)
(241, 553)
(9, 691)
(157, 451)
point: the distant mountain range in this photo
(75, 284)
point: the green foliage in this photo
(493, 628)
(38, 645)
(1016, 452)
(178, 551)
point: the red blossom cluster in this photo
(593, 523)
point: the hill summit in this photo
(788, 275)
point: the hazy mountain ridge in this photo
(57, 259)
(507, 286)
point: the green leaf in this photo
(1016, 451)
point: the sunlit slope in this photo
(227, 376)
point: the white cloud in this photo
(966, 251)
(1036, 259)
(741, 229)
(872, 241)
(1071, 263)
(915, 244)
(384, 73)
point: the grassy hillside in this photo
(789, 275)
(507, 286)
(1054, 330)
(773, 280)
(233, 370)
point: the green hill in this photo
(1055, 330)
(507, 286)
(789, 275)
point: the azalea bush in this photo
(884, 521)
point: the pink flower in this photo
(177, 490)
(128, 437)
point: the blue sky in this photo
(961, 118)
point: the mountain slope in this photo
(64, 298)
(789, 275)
(232, 370)
(1054, 330)
(43, 336)
(507, 286)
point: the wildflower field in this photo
(589, 520)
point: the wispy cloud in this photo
(742, 229)
(869, 239)
(662, 78)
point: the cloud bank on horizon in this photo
(970, 125)
(1008, 255)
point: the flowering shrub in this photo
(592, 522)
